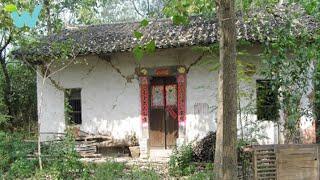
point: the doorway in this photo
(163, 112)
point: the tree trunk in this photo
(7, 89)
(226, 155)
(7, 92)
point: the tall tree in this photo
(225, 155)
(7, 88)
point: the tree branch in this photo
(195, 62)
(136, 9)
(148, 8)
(6, 44)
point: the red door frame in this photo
(144, 80)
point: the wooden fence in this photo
(286, 162)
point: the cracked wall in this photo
(111, 103)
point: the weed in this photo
(179, 163)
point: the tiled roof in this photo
(256, 26)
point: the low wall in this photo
(294, 162)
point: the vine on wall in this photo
(288, 61)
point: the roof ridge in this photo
(118, 37)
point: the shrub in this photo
(14, 162)
(61, 160)
(202, 176)
(205, 174)
(180, 161)
(22, 168)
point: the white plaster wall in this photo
(50, 111)
(112, 105)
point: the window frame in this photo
(272, 106)
(71, 114)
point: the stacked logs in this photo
(203, 151)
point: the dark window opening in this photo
(267, 101)
(74, 106)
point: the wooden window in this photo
(74, 105)
(267, 101)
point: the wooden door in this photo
(163, 112)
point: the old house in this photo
(168, 98)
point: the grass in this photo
(115, 170)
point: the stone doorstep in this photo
(160, 154)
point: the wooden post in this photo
(39, 148)
(255, 164)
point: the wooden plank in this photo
(263, 174)
(297, 162)
(267, 161)
(273, 169)
(266, 153)
(266, 165)
(318, 163)
(266, 157)
(91, 155)
(255, 165)
(276, 151)
(268, 177)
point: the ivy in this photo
(288, 61)
(138, 53)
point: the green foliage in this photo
(312, 7)
(23, 98)
(144, 23)
(137, 34)
(115, 170)
(10, 8)
(13, 154)
(206, 174)
(179, 19)
(140, 174)
(287, 62)
(148, 48)
(180, 161)
(180, 11)
(4, 121)
(244, 159)
(61, 161)
(138, 52)
(109, 170)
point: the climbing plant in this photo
(289, 60)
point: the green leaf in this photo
(178, 19)
(144, 23)
(150, 47)
(138, 52)
(10, 8)
(137, 34)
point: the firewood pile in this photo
(87, 145)
(87, 149)
(203, 151)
